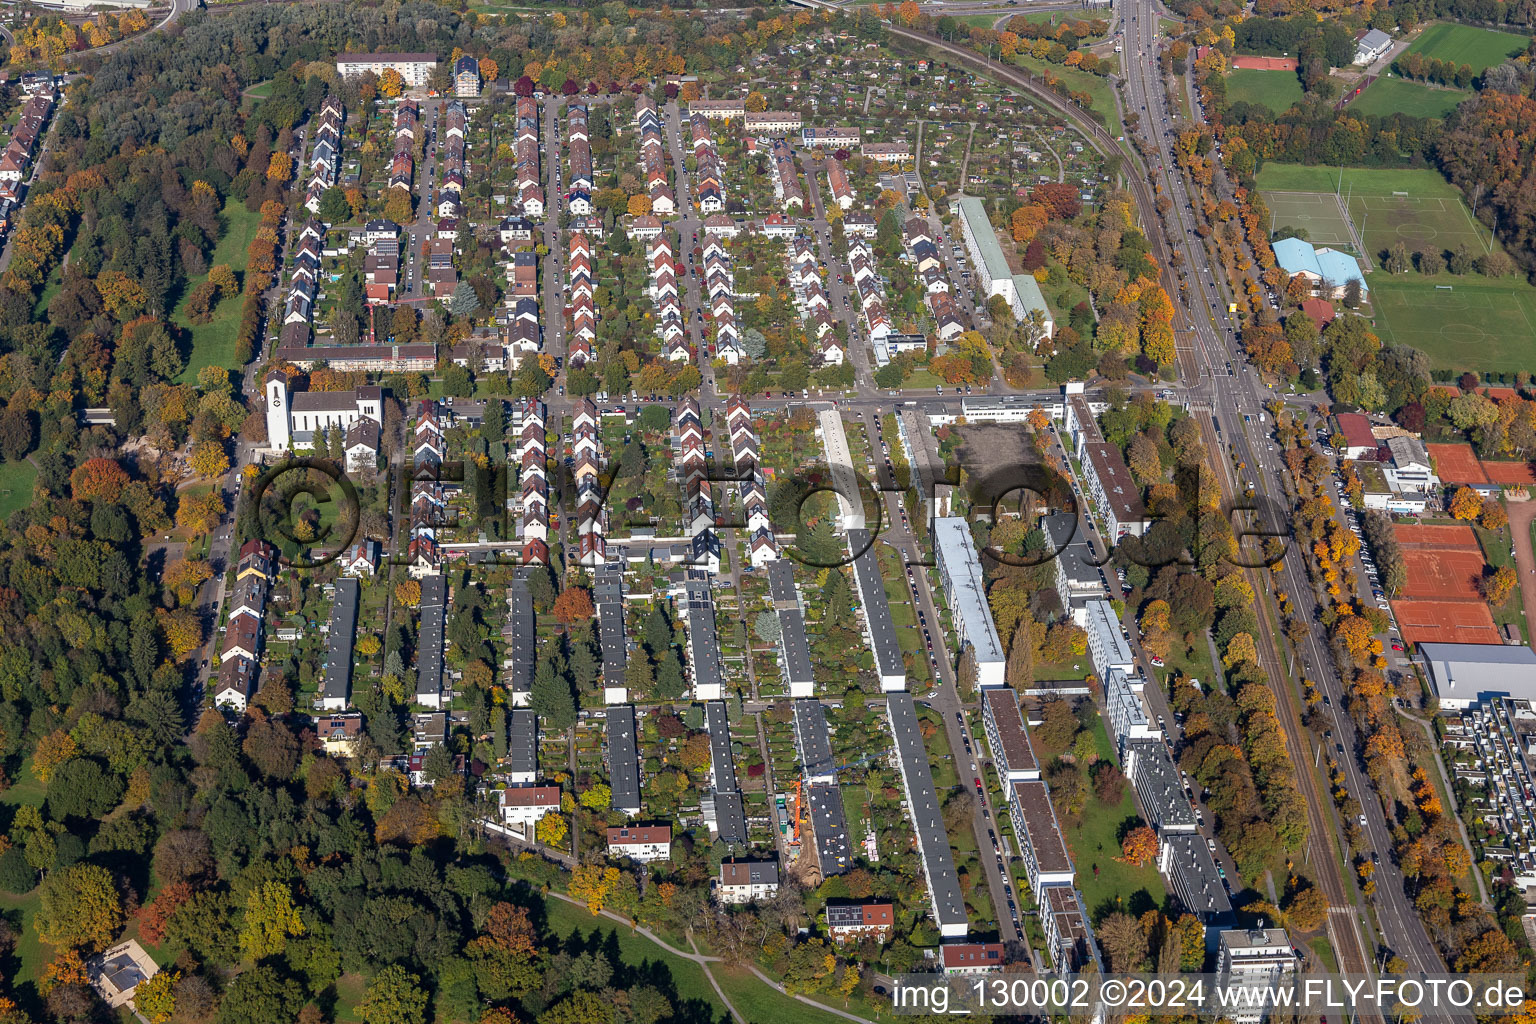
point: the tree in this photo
(755, 102)
(394, 996)
(1139, 847)
(81, 789)
(155, 999)
(208, 459)
(408, 593)
(1124, 942)
(1493, 516)
(270, 920)
(391, 84)
(573, 606)
(98, 479)
(551, 830)
(1496, 587)
(79, 908)
(1466, 504)
(464, 302)
(52, 752)
(260, 996)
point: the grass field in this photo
(1108, 884)
(1399, 96)
(1277, 177)
(1316, 213)
(213, 343)
(1479, 324)
(760, 1004)
(1479, 47)
(16, 479)
(1277, 90)
(1097, 87)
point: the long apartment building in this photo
(993, 274)
(945, 900)
(608, 598)
(415, 68)
(697, 609)
(722, 806)
(965, 589)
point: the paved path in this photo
(1521, 515)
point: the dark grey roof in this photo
(877, 610)
(829, 828)
(518, 633)
(730, 817)
(1192, 870)
(795, 650)
(1072, 552)
(429, 640)
(781, 583)
(813, 741)
(703, 645)
(523, 742)
(923, 805)
(337, 681)
(1159, 792)
(608, 593)
(623, 759)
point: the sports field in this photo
(1446, 622)
(1477, 325)
(1480, 48)
(1455, 464)
(1399, 96)
(1516, 473)
(1460, 322)
(1277, 90)
(1443, 574)
(1454, 536)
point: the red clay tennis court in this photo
(1448, 536)
(1446, 622)
(1456, 463)
(1509, 472)
(1442, 575)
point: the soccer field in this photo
(1277, 90)
(1480, 48)
(1476, 325)
(1370, 181)
(1318, 213)
(1397, 96)
(1423, 224)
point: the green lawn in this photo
(1078, 81)
(1095, 842)
(16, 479)
(213, 343)
(1479, 47)
(1400, 96)
(1277, 90)
(687, 977)
(759, 1004)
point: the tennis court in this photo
(1446, 622)
(1509, 473)
(1442, 574)
(1413, 536)
(1456, 464)
(1316, 213)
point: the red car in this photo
(1397, 647)
(978, 784)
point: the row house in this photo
(25, 137)
(587, 458)
(653, 157)
(441, 277)
(812, 300)
(762, 546)
(692, 462)
(240, 652)
(948, 320)
(452, 167)
(671, 327)
(866, 282)
(721, 225)
(533, 481)
(522, 334)
(720, 283)
(583, 305)
(709, 183)
(381, 270)
(428, 507)
(402, 168)
(325, 153)
(837, 185)
(579, 148)
(786, 180)
(525, 152)
(304, 282)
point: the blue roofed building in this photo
(1319, 265)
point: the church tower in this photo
(279, 434)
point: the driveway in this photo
(1521, 515)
